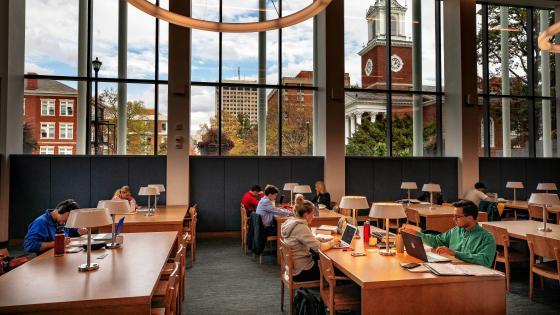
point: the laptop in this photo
(108, 236)
(347, 236)
(415, 248)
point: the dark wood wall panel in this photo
(70, 179)
(143, 171)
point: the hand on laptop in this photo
(442, 250)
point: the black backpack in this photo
(308, 302)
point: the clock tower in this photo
(374, 53)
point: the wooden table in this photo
(519, 229)
(326, 217)
(387, 288)
(168, 218)
(123, 284)
(439, 219)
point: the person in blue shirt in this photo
(267, 210)
(41, 232)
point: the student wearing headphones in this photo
(41, 232)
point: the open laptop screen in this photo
(348, 234)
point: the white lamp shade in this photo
(290, 186)
(148, 191)
(544, 199)
(387, 210)
(409, 185)
(114, 206)
(160, 187)
(431, 188)
(88, 218)
(302, 189)
(516, 185)
(354, 202)
(546, 186)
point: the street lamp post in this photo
(96, 66)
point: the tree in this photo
(29, 142)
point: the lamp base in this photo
(112, 245)
(386, 252)
(545, 229)
(86, 267)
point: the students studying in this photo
(467, 241)
(250, 199)
(41, 232)
(477, 194)
(304, 245)
(267, 210)
(124, 193)
(322, 196)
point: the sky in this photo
(52, 45)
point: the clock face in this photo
(369, 67)
(396, 63)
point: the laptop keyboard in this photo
(435, 257)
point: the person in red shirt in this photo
(250, 200)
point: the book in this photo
(450, 269)
(330, 228)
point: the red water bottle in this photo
(59, 243)
(366, 233)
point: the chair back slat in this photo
(500, 234)
(535, 213)
(412, 216)
(327, 269)
(543, 246)
(286, 261)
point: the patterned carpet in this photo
(224, 281)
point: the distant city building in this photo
(239, 99)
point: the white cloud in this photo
(34, 68)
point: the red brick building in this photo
(50, 112)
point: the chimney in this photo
(32, 84)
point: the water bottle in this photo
(366, 232)
(59, 242)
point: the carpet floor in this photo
(224, 281)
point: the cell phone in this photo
(358, 254)
(410, 265)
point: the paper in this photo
(461, 270)
(419, 269)
(331, 228)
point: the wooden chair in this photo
(342, 297)
(412, 216)
(504, 254)
(482, 216)
(160, 291)
(170, 300)
(546, 248)
(286, 276)
(189, 232)
(536, 213)
(269, 239)
(244, 229)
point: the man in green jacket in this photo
(467, 241)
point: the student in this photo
(124, 193)
(297, 234)
(41, 232)
(267, 210)
(299, 200)
(477, 194)
(468, 241)
(322, 196)
(249, 199)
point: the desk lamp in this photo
(160, 189)
(387, 210)
(547, 187)
(355, 203)
(409, 186)
(302, 189)
(514, 186)
(431, 188)
(544, 200)
(290, 187)
(148, 191)
(115, 207)
(88, 218)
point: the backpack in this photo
(308, 302)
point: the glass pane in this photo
(509, 137)
(414, 117)
(141, 48)
(105, 106)
(48, 125)
(545, 74)
(547, 127)
(479, 70)
(204, 125)
(365, 126)
(297, 122)
(205, 45)
(163, 125)
(297, 42)
(51, 48)
(164, 44)
(140, 111)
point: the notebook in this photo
(449, 269)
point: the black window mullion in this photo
(485, 81)
(88, 74)
(156, 91)
(531, 84)
(280, 90)
(219, 113)
(389, 84)
(439, 118)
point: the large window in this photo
(252, 93)
(131, 105)
(394, 94)
(515, 83)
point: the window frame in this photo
(48, 128)
(65, 104)
(65, 148)
(66, 127)
(46, 102)
(46, 147)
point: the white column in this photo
(545, 73)
(417, 108)
(346, 129)
(358, 119)
(12, 37)
(83, 62)
(352, 124)
(504, 51)
(122, 128)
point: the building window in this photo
(47, 108)
(66, 131)
(43, 150)
(47, 130)
(65, 150)
(163, 126)
(66, 108)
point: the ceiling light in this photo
(306, 13)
